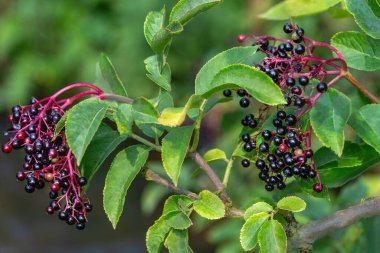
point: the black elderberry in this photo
(281, 185)
(31, 129)
(277, 122)
(280, 164)
(82, 181)
(288, 46)
(88, 207)
(80, 226)
(296, 90)
(312, 174)
(244, 102)
(282, 55)
(17, 144)
(264, 147)
(289, 160)
(322, 87)
(288, 172)
(263, 175)
(259, 67)
(299, 102)
(245, 163)
(264, 44)
(296, 170)
(287, 28)
(249, 117)
(252, 123)
(309, 153)
(303, 80)
(279, 153)
(288, 100)
(281, 131)
(260, 164)
(245, 137)
(273, 166)
(281, 47)
(70, 220)
(266, 134)
(53, 195)
(273, 74)
(244, 122)
(281, 114)
(241, 93)
(247, 147)
(269, 187)
(290, 81)
(290, 120)
(271, 158)
(300, 32)
(227, 93)
(29, 188)
(299, 49)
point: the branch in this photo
(116, 98)
(362, 88)
(309, 233)
(151, 176)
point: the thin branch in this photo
(309, 233)
(116, 98)
(362, 88)
(151, 176)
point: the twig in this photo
(151, 176)
(361, 87)
(309, 233)
(116, 98)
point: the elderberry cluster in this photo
(285, 150)
(48, 159)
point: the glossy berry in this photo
(29, 188)
(247, 147)
(287, 28)
(288, 172)
(6, 148)
(80, 226)
(245, 137)
(299, 102)
(309, 153)
(269, 187)
(20, 176)
(322, 87)
(303, 80)
(296, 90)
(62, 215)
(252, 123)
(281, 185)
(241, 93)
(55, 187)
(299, 49)
(281, 114)
(318, 187)
(264, 147)
(300, 32)
(283, 147)
(244, 102)
(82, 181)
(290, 120)
(245, 163)
(260, 164)
(266, 134)
(288, 46)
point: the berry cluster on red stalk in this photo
(284, 150)
(48, 158)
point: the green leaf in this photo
(125, 167)
(179, 220)
(164, 100)
(218, 62)
(176, 116)
(145, 116)
(250, 230)
(215, 154)
(157, 233)
(185, 10)
(328, 118)
(104, 142)
(83, 120)
(177, 203)
(108, 78)
(164, 36)
(272, 237)
(174, 150)
(60, 125)
(363, 12)
(154, 21)
(258, 84)
(177, 241)
(360, 51)
(161, 75)
(124, 118)
(256, 208)
(366, 123)
(336, 171)
(292, 203)
(209, 206)
(297, 8)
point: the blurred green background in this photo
(45, 45)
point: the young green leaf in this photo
(177, 241)
(83, 120)
(215, 154)
(363, 12)
(297, 8)
(176, 116)
(104, 142)
(209, 206)
(177, 203)
(156, 234)
(272, 237)
(258, 207)
(161, 75)
(359, 50)
(185, 10)
(164, 36)
(257, 83)
(328, 118)
(124, 118)
(179, 220)
(108, 78)
(250, 230)
(174, 150)
(212, 67)
(366, 123)
(145, 116)
(125, 167)
(154, 21)
(164, 100)
(336, 171)
(292, 203)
